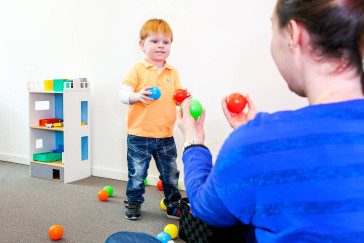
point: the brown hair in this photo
(155, 26)
(336, 27)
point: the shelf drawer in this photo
(48, 172)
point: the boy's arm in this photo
(130, 84)
(125, 92)
(141, 96)
(127, 95)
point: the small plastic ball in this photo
(195, 108)
(180, 95)
(145, 182)
(160, 185)
(163, 206)
(109, 190)
(156, 93)
(235, 103)
(164, 237)
(172, 230)
(55, 232)
(103, 195)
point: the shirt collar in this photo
(147, 64)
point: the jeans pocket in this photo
(169, 148)
(137, 148)
(137, 155)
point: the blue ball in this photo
(156, 93)
(164, 237)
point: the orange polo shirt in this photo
(157, 119)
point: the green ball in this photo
(109, 190)
(145, 182)
(195, 108)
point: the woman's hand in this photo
(237, 119)
(191, 129)
(142, 96)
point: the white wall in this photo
(219, 47)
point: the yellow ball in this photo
(163, 206)
(172, 230)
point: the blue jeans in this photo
(164, 152)
(136, 237)
(131, 237)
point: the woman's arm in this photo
(205, 204)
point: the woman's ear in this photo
(295, 33)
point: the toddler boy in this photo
(150, 122)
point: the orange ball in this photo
(159, 185)
(55, 232)
(103, 195)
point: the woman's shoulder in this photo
(338, 109)
(268, 126)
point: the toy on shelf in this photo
(47, 157)
(60, 149)
(48, 85)
(43, 122)
(58, 85)
(83, 82)
(58, 124)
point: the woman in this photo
(295, 176)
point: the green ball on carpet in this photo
(109, 190)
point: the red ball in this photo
(159, 185)
(55, 232)
(180, 95)
(236, 103)
(103, 195)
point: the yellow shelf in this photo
(46, 128)
(57, 163)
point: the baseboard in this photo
(110, 174)
(15, 158)
(123, 176)
(95, 171)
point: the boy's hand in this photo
(188, 96)
(237, 119)
(141, 96)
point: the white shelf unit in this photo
(72, 106)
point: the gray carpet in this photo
(29, 206)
